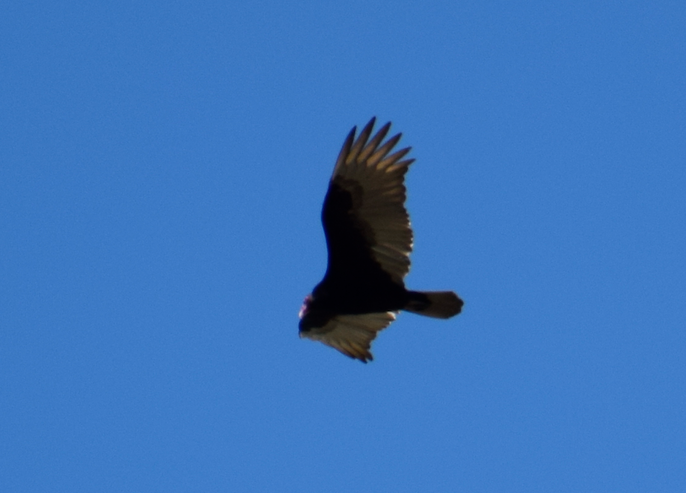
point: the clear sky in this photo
(162, 170)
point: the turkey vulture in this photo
(369, 239)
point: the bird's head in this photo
(306, 306)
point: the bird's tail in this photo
(437, 304)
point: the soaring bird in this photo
(369, 240)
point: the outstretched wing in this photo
(364, 213)
(352, 335)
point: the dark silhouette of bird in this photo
(369, 240)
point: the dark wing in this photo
(364, 212)
(352, 335)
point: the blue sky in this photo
(162, 169)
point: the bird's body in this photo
(369, 240)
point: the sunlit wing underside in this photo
(375, 180)
(352, 335)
